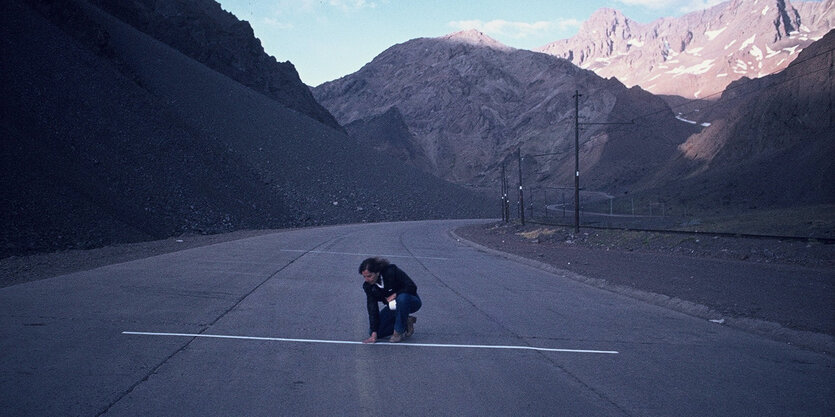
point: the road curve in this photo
(268, 326)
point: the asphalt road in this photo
(65, 350)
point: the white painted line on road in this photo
(349, 342)
(364, 254)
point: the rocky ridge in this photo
(472, 103)
(202, 30)
(769, 140)
(697, 55)
(389, 134)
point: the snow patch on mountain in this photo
(697, 69)
(747, 42)
(756, 52)
(712, 34)
(679, 116)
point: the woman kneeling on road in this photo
(386, 283)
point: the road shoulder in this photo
(722, 298)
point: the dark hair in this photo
(375, 264)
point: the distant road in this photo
(268, 326)
(570, 208)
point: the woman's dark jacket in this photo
(394, 281)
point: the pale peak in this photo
(475, 37)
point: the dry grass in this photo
(536, 234)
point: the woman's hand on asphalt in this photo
(372, 339)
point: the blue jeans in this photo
(396, 320)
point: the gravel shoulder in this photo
(20, 269)
(780, 289)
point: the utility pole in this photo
(507, 196)
(831, 70)
(521, 197)
(576, 162)
(505, 214)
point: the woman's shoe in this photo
(410, 326)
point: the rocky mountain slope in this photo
(388, 133)
(110, 135)
(471, 103)
(697, 55)
(770, 142)
(202, 30)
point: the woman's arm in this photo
(373, 314)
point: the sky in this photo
(328, 39)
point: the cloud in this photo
(694, 5)
(312, 6)
(352, 4)
(683, 6)
(277, 24)
(651, 4)
(516, 30)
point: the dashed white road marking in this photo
(350, 342)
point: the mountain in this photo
(202, 30)
(771, 141)
(697, 55)
(111, 135)
(388, 133)
(471, 103)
